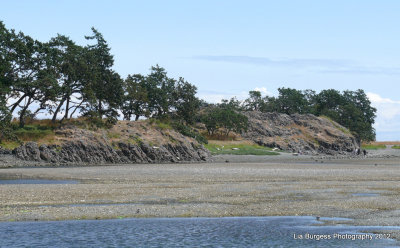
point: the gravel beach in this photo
(365, 190)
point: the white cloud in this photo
(213, 98)
(216, 97)
(387, 123)
(387, 108)
(378, 99)
(263, 91)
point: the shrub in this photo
(190, 132)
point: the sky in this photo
(227, 48)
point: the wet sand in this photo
(364, 190)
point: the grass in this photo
(113, 135)
(220, 136)
(396, 147)
(243, 149)
(372, 146)
(135, 140)
(10, 145)
(337, 125)
(33, 132)
(163, 124)
(40, 132)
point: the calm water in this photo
(183, 232)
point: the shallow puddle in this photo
(37, 181)
(365, 194)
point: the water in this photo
(182, 232)
(366, 194)
(36, 181)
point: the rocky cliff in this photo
(127, 142)
(145, 142)
(306, 134)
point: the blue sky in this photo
(227, 48)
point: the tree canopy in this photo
(63, 80)
(351, 109)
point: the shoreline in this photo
(363, 190)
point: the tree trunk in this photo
(137, 117)
(99, 110)
(73, 112)
(22, 114)
(57, 110)
(66, 109)
(15, 105)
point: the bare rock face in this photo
(5, 151)
(80, 146)
(306, 134)
(78, 152)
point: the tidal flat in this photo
(364, 190)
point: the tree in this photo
(6, 61)
(233, 121)
(226, 117)
(32, 75)
(72, 69)
(254, 102)
(233, 103)
(328, 103)
(186, 103)
(211, 120)
(270, 104)
(311, 100)
(358, 115)
(5, 81)
(160, 90)
(6, 132)
(136, 101)
(291, 101)
(103, 92)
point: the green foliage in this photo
(33, 132)
(96, 122)
(10, 145)
(72, 72)
(59, 77)
(224, 117)
(240, 149)
(113, 135)
(156, 95)
(291, 101)
(396, 147)
(186, 102)
(136, 140)
(190, 132)
(344, 130)
(103, 92)
(136, 100)
(351, 109)
(163, 125)
(6, 131)
(372, 147)
(32, 76)
(254, 102)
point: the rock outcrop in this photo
(305, 134)
(127, 142)
(78, 152)
(5, 151)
